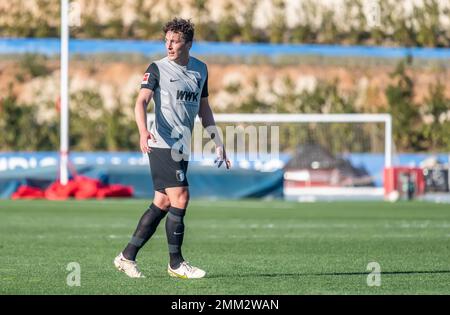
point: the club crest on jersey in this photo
(146, 77)
(180, 175)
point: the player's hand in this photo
(221, 156)
(143, 141)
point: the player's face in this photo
(177, 48)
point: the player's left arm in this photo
(207, 118)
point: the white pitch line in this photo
(213, 205)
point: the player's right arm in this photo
(140, 113)
(149, 84)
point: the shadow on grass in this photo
(262, 275)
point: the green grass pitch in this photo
(246, 247)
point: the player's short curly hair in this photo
(179, 25)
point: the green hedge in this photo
(417, 127)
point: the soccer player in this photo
(178, 85)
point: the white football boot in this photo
(129, 267)
(186, 271)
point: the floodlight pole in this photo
(64, 88)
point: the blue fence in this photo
(246, 179)
(262, 178)
(51, 46)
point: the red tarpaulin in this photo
(81, 187)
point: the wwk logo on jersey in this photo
(187, 96)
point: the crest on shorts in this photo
(180, 175)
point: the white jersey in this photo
(177, 93)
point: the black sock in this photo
(146, 227)
(175, 233)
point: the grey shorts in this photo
(166, 172)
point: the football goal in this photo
(323, 156)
